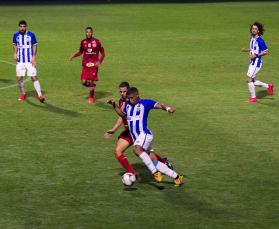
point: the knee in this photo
(137, 150)
(117, 152)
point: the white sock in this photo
(165, 170)
(147, 161)
(260, 84)
(251, 86)
(38, 87)
(21, 86)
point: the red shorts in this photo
(89, 73)
(126, 136)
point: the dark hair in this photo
(88, 28)
(124, 84)
(260, 27)
(132, 90)
(22, 22)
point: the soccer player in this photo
(257, 50)
(136, 111)
(25, 50)
(124, 139)
(90, 47)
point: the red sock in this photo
(160, 159)
(125, 163)
(92, 89)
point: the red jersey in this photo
(121, 102)
(90, 50)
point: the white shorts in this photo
(21, 69)
(145, 140)
(253, 70)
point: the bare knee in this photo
(138, 150)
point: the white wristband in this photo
(168, 108)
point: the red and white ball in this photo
(128, 179)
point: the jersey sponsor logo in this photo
(89, 50)
(133, 118)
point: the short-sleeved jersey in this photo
(24, 45)
(121, 102)
(91, 50)
(137, 117)
(257, 46)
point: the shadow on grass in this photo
(49, 107)
(7, 81)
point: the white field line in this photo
(14, 85)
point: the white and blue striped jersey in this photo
(24, 46)
(257, 46)
(137, 117)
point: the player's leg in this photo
(163, 168)
(120, 147)
(20, 72)
(91, 86)
(268, 86)
(251, 74)
(32, 72)
(163, 160)
(144, 142)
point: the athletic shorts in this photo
(144, 140)
(253, 70)
(21, 69)
(89, 73)
(126, 136)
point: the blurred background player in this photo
(25, 50)
(257, 50)
(90, 47)
(136, 110)
(124, 139)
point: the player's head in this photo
(22, 25)
(88, 32)
(133, 95)
(257, 29)
(123, 88)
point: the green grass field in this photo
(58, 170)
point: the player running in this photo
(25, 50)
(90, 47)
(124, 139)
(136, 111)
(257, 50)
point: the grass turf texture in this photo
(57, 169)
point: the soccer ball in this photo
(128, 179)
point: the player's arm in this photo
(116, 126)
(245, 50)
(165, 107)
(80, 52)
(263, 53)
(15, 52)
(116, 108)
(33, 60)
(102, 51)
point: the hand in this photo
(110, 101)
(243, 49)
(252, 56)
(71, 57)
(172, 110)
(109, 133)
(33, 61)
(97, 64)
(15, 57)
